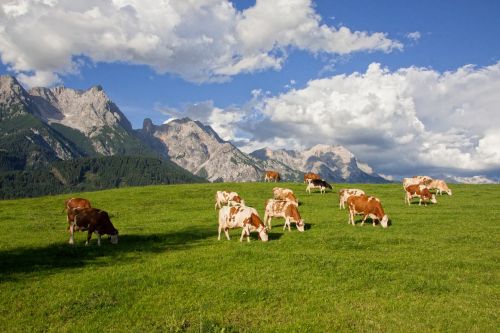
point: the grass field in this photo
(436, 268)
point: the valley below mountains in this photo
(42, 126)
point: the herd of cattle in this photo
(234, 213)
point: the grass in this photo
(436, 268)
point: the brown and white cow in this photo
(94, 221)
(425, 180)
(318, 183)
(272, 176)
(284, 209)
(241, 217)
(440, 186)
(421, 192)
(368, 207)
(345, 193)
(285, 194)
(74, 203)
(411, 181)
(310, 176)
(227, 198)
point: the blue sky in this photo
(144, 60)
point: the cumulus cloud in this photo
(414, 36)
(400, 122)
(206, 40)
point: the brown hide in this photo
(72, 203)
(415, 190)
(311, 175)
(272, 175)
(366, 205)
(94, 219)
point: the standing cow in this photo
(272, 176)
(94, 221)
(241, 217)
(72, 203)
(368, 207)
(284, 209)
(318, 183)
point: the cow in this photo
(92, 220)
(285, 194)
(318, 183)
(74, 203)
(227, 198)
(272, 176)
(285, 209)
(310, 176)
(241, 217)
(368, 207)
(440, 186)
(421, 192)
(346, 193)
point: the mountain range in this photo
(41, 126)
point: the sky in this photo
(410, 87)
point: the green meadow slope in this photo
(436, 268)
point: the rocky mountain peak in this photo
(11, 92)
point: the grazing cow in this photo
(227, 198)
(241, 217)
(92, 220)
(368, 207)
(74, 203)
(421, 192)
(346, 193)
(310, 176)
(285, 194)
(318, 183)
(272, 176)
(440, 186)
(285, 209)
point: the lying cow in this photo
(310, 176)
(318, 183)
(284, 209)
(440, 186)
(285, 194)
(368, 207)
(74, 203)
(241, 217)
(227, 198)
(272, 176)
(345, 193)
(421, 192)
(92, 220)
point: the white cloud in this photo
(398, 122)
(206, 40)
(414, 36)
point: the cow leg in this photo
(89, 234)
(243, 233)
(71, 232)
(420, 201)
(364, 219)
(226, 231)
(99, 239)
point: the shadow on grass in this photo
(62, 255)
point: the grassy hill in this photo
(436, 268)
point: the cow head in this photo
(114, 238)
(385, 221)
(263, 235)
(433, 199)
(300, 225)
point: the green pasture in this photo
(435, 269)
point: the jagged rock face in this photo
(333, 163)
(198, 149)
(11, 92)
(90, 112)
